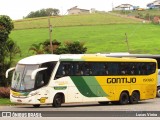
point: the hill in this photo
(147, 14)
(101, 33)
(72, 20)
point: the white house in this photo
(154, 4)
(75, 10)
(124, 7)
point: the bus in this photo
(157, 57)
(58, 79)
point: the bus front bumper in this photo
(25, 100)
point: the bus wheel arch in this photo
(124, 97)
(58, 99)
(135, 97)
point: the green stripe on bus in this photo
(71, 60)
(82, 86)
(94, 86)
(60, 87)
(88, 86)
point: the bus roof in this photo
(132, 55)
(43, 58)
(39, 59)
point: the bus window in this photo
(87, 69)
(78, 69)
(151, 68)
(133, 69)
(106, 69)
(42, 77)
(98, 69)
(65, 69)
(113, 68)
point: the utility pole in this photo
(126, 40)
(50, 34)
(112, 6)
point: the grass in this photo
(101, 33)
(142, 38)
(71, 20)
(5, 101)
(150, 12)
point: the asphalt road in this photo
(146, 105)
(94, 110)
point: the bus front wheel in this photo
(134, 98)
(124, 98)
(57, 101)
(158, 91)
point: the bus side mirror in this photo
(9, 71)
(36, 71)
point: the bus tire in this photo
(158, 91)
(134, 98)
(36, 106)
(124, 98)
(57, 101)
(103, 103)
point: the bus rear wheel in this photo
(134, 98)
(124, 98)
(57, 101)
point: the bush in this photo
(147, 16)
(4, 92)
(156, 20)
(75, 47)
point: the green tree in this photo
(61, 50)
(12, 49)
(75, 47)
(37, 48)
(47, 48)
(68, 47)
(43, 13)
(6, 25)
(52, 12)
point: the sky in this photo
(17, 9)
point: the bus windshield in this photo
(21, 80)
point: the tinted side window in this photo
(104, 68)
(42, 77)
(65, 69)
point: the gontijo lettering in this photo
(121, 80)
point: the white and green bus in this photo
(57, 79)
